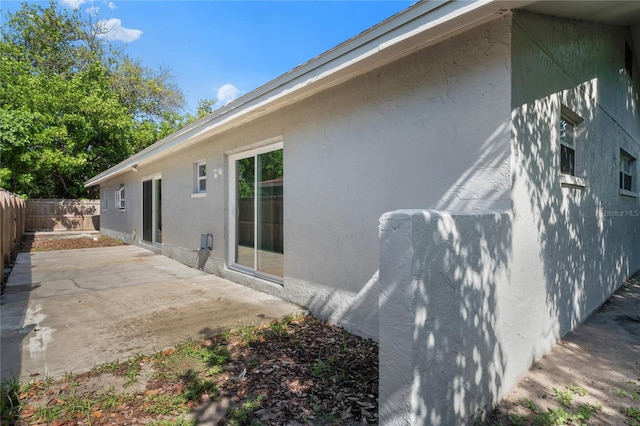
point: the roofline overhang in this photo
(412, 29)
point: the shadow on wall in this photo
(439, 275)
(586, 236)
(347, 308)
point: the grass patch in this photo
(9, 401)
(568, 412)
(240, 416)
(295, 366)
(633, 413)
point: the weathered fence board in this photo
(62, 215)
(12, 222)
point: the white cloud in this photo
(228, 93)
(112, 5)
(93, 10)
(112, 29)
(74, 4)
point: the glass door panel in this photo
(147, 211)
(270, 183)
(245, 229)
(158, 211)
(152, 211)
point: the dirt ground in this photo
(597, 364)
(591, 377)
(301, 371)
(68, 241)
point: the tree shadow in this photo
(62, 215)
(584, 236)
(440, 351)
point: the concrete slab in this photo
(68, 311)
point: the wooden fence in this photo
(12, 221)
(62, 215)
(270, 223)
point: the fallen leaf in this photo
(27, 412)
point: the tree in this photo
(71, 105)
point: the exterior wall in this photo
(572, 246)
(116, 223)
(424, 132)
(469, 301)
(443, 281)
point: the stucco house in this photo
(459, 182)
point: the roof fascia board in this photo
(410, 30)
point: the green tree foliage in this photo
(71, 105)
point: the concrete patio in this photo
(68, 311)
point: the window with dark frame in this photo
(627, 166)
(628, 59)
(567, 146)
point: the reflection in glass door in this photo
(259, 183)
(152, 211)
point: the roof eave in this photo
(410, 30)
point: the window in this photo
(105, 199)
(120, 197)
(628, 59)
(200, 177)
(627, 172)
(567, 146)
(256, 214)
(571, 138)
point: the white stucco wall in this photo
(443, 280)
(469, 301)
(572, 246)
(428, 131)
(425, 132)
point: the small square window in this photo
(120, 197)
(627, 171)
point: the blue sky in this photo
(223, 49)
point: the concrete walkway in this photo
(68, 311)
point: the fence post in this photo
(12, 215)
(2, 234)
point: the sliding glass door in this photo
(257, 214)
(152, 210)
